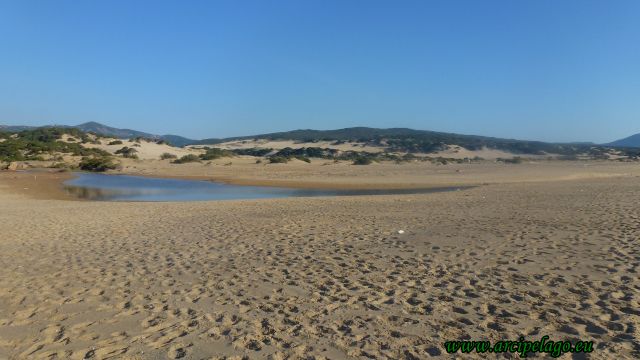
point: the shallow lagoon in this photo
(102, 187)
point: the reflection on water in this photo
(136, 188)
(90, 193)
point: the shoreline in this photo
(402, 177)
(41, 184)
(299, 184)
(45, 184)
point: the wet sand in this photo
(327, 174)
(325, 277)
(37, 183)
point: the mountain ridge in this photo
(427, 139)
(629, 141)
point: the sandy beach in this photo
(319, 180)
(328, 174)
(537, 249)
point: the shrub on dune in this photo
(215, 153)
(128, 152)
(97, 164)
(166, 156)
(186, 159)
(278, 160)
(362, 161)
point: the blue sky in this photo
(540, 69)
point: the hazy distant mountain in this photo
(631, 141)
(111, 131)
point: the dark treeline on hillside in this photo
(415, 141)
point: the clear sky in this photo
(554, 70)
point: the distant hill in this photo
(130, 134)
(111, 131)
(403, 139)
(91, 126)
(631, 141)
(354, 133)
(105, 130)
(394, 139)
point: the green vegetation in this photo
(166, 156)
(309, 152)
(402, 145)
(360, 157)
(515, 160)
(35, 144)
(278, 160)
(98, 164)
(158, 141)
(215, 153)
(186, 159)
(362, 161)
(365, 158)
(306, 153)
(286, 154)
(253, 151)
(60, 165)
(418, 141)
(128, 152)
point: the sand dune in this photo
(145, 150)
(281, 144)
(458, 152)
(452, 151)
(321, 277)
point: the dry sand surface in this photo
(452, 151)
(326, 277)
(458, 152)
(145, 150)
(281, 144)
(324, 173)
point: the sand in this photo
(281, 144)
(36, 183)
(145, 150)
(328, 174)
(451, 151)
(556, 254)
(458, 152)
